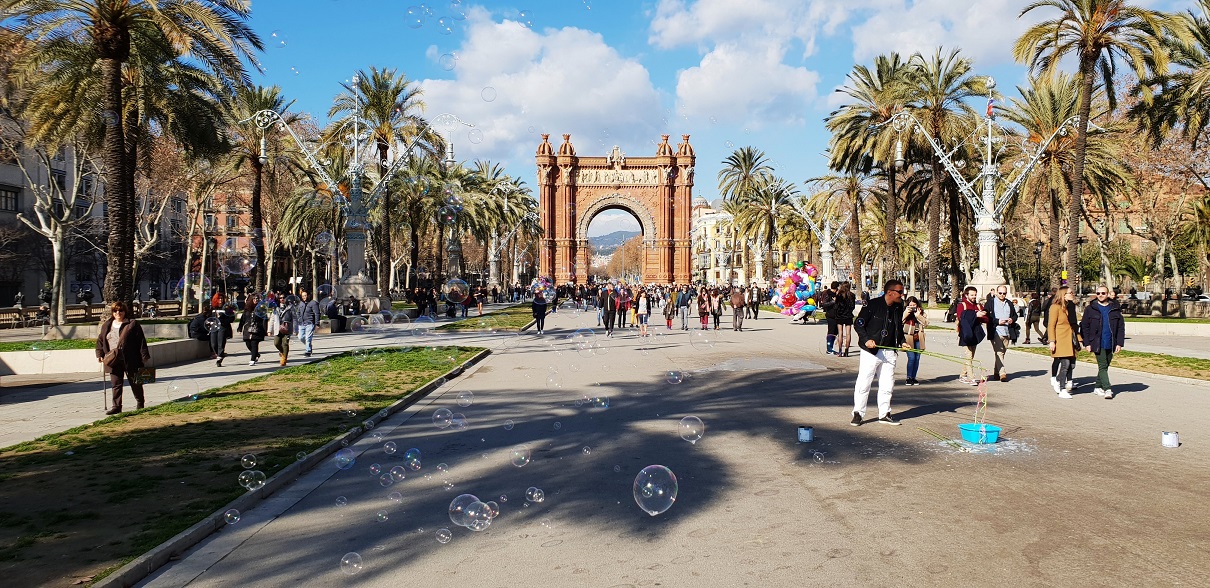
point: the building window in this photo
(9, 199)
(178, 206)
(60, 179)
(231, 220)
(177, 227)
(210, 222)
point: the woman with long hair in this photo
(716, 306)
(252, 327)
(643, 309)
(538, 308)
(845, 303)
(914, 324)
(703, 308)
(1064, 339)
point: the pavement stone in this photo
(1078, 492)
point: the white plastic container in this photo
(1170, 439)
(806, 434)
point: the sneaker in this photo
(1098, 391)
(1064, 394)
(306, 354)
(1068, 385)
(976, 382)
(964, 379)
(856, 422)
(887, 420)
(1055, 385)
(1108, 394)
(218, 362)
(252, 362)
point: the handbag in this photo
(143, 375)
(113, 358)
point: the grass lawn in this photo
(512, 318)
(1155, 363)
(57, 344)
(1164, 319)
(82, 503)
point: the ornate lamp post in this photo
(354, 282)
(986, 204)
(828, 236)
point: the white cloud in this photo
(554, 81)
(985, 31)
(749, 84)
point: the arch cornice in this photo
(616, 200)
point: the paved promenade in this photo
(1079, 492)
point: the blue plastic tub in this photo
(979, 432)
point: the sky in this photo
(730, 73)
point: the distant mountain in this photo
(606, 244)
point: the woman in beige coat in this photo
(1064, 338)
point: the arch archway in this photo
(656, 190)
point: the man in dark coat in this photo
(1104, 333)
(879, 328)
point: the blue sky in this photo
(729, 73)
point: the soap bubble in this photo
(554, 382)
(558, 425)
(455, 291)
(414, 17)
(443, 467)
(257, 480)
(488, 94)
(382, 516)
(263, 309)
(586, 450)
(478, 516)
(458, 421)
(655, 489)
(344, 458)
(447, 215)
(385, 480)
(398, 473)
(351, 564)
(701, 341)
(674, 376)
(301, 455)
(277, 40)
(390, 448)
(412, 453)
(181, 389)
(458, 508)
(601, 402)
(442, 417)
(692, 429)
(412, 464)
(445, 25)
(342, 501)
(236, 258)
(521, 456)
(448, 485)
(367, 381)
(447, 61)
(508, 425)
(525, 18)
(375, 469)
(493, 509)
(466, 398)
(444, 536)
(248, 461)
(324, 241)
(475, 136)
(231, 516)
(245, 478)
(395, 497)
(534, 494)
(39, 352)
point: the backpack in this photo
(197, 328)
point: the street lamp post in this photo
(354, 282)
(828, 236)
(1038, 273)
(987, 206)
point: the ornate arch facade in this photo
(657, 190)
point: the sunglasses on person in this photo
(899, 291)
(1102, 293)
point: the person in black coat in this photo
(252, 328)
(123, 334)
(879, 329)
(1104, 333)
(538, 306)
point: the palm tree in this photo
(211, 32)
(1098, 33)
(847, 192)
(759, 212)
(939, 87)
(876, 96)
(240, 109)
(742, 172)
(389, 104)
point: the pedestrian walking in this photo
(609, 303)
(220, 329)
(1104, 334)
(969, 326)
(1002, 321)
(737, 309)
(669, 310)
(538, 307)
(716, 306)
(643, 308)
(915, 322)
(252, 328)
(845, 303)
(1033, 317)
(1064, 336)
(827, 302)
(879, 336)
(683, 299)
(308, 318)
(703, 308)
(281, 326)
(122, 350)
(755, 300)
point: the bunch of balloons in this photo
(544, 285)
(796, 289)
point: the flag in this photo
(991, 113)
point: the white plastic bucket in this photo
(806, 434)
(1170, 439)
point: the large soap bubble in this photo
(455, 291)
(655, 489)
(692, 429)
(443, 417)
(237, 257)
(458, 508)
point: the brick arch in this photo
(617, 201)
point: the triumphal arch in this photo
(658, 191)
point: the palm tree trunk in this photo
(1087, 63)
(934, 283)
(440, 252)
(120, 244)
(1053, 236)
(855, 239)
(415, 252)
(384, 237)
(257, 232)
(957, 276)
